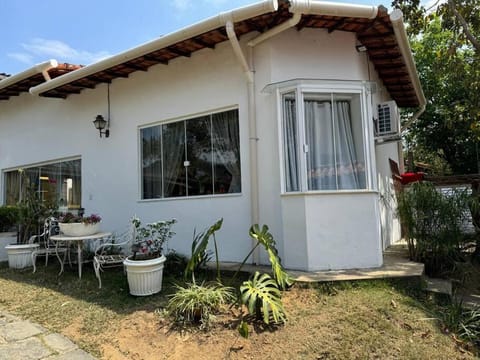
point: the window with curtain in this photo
(57, 183)
(324, 149)
(194, 157)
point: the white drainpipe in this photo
(252, 127)
(314, 7)
(34, 70)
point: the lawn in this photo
(362, 320)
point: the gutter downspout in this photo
(39, 68)
(252, 128)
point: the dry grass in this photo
(365, 320)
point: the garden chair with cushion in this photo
(47, 247)
(113, 252)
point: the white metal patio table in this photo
(79, 240)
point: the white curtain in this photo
(173, 139)
(290, 143)
(331, 157)
(226, 146)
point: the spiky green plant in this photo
(263, 298)
(195, 303)
(199, 250)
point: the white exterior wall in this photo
(319, 231)
(312, 232)
(36, 129)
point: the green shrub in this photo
(195, 303)
(432, 222)
(9, 216)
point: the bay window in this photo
(198, 156)
(323, 138)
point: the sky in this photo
(85, 31)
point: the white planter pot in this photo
(6, 238)
(144, 276)
(79, 229)
(20, 256)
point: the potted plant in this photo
(74, 225)
(8, 228)
(32, 212)
(145, 267)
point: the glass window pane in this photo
(226, 147)
(350, 158)
(290, 143)
(321, 174)
(199, 155)
(151, 162)
(59, 184)
(174, 174)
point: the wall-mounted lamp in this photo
(361, 48)
(100, 124)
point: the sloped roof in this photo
(23, 85)
(376, 34)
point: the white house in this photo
(274, 113)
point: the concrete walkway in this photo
(395, 265)
(24, 340)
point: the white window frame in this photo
(299, 88)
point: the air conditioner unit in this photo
(388, 120)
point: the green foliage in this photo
(32, 213)
(263, 298)
(243, 329)
(449, 69)
(8, 217)
(199, 250)
(265, 238)
(150, 238)
(433, 224)
(463, 322)
(198, 303)
(175, 263)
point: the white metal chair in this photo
(113, 252)
(47, 247)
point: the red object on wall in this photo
(410, 177)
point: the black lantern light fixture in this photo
(100, 124)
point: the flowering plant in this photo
(149, 239)
(69, 218)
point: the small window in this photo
(194, 157)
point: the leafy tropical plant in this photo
(195, 303)
(265, 238)
(199, 250)
(263, 298)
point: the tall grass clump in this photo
(433, 222)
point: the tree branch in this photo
(464, 24)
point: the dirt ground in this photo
(369, 325)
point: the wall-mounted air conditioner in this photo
(388, 119)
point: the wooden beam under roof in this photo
(336, 25)
(135, 66)
(155, 59)
(178, 52)
(203, 43)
